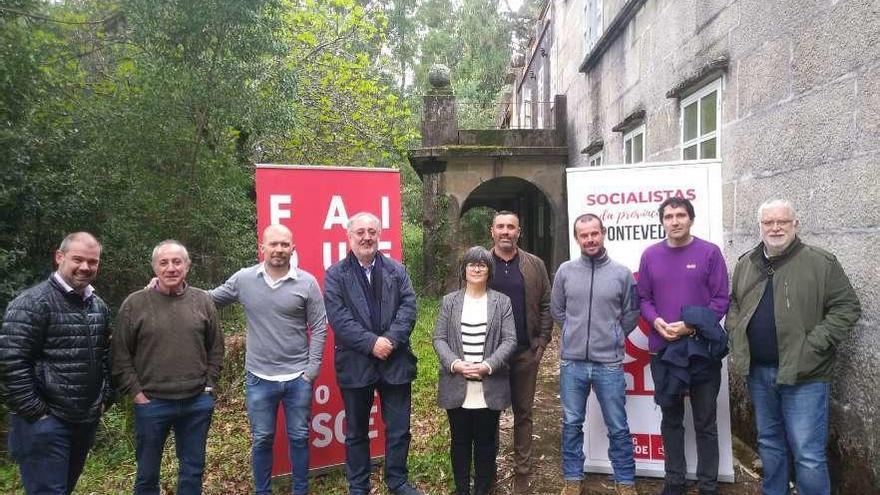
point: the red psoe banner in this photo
(315, 203)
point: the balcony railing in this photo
(526, 115)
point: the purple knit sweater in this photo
(673, 277)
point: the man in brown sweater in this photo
(167, 352)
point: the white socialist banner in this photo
(626, 198)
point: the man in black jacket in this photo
(54, 369)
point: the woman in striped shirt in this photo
(474, 337)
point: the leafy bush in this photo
(413, 256)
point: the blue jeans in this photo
(191, 419)
(575, 380)
(263, 397)
(396, 409)
(50, 453)
(791, 419)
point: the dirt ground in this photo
(546, 466)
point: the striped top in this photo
(474, 316)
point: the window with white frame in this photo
(700, 118)
(634, 145)
(527, 108)
(595, 160)
(594, 25)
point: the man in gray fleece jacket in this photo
(593, 301)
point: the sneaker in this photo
(571, 487)
(621, 489)
(672, 490)
(407, 489)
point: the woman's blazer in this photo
(500, 345)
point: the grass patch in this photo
(429, 461)
(111, 465)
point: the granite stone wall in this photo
(800, 119)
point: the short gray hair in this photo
(775, 203)
(364, 214)
(78, 236)
(169, 242)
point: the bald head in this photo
(277, 228)
(277, 248)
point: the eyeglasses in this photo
(360, 233)
(477, 267)
(776, 223)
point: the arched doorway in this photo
(520, 196)
(463, 170)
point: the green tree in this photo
(38, 135)
(141, 120)
(346, 113)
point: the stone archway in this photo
(525, 180)
(522, 170)
(537, 217)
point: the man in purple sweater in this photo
(684, 271)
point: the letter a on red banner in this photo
(315, 203)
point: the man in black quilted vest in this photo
(54, 369)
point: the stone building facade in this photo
(786, 93)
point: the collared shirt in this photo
(274, 284)
(86, 293)
(508, 280)
(368, 270)
(178, 292)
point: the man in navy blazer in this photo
(371, 307)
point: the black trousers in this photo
(474, 438)
(704, 404)
(396, 411)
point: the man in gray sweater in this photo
(593, 301)
(281, 302)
